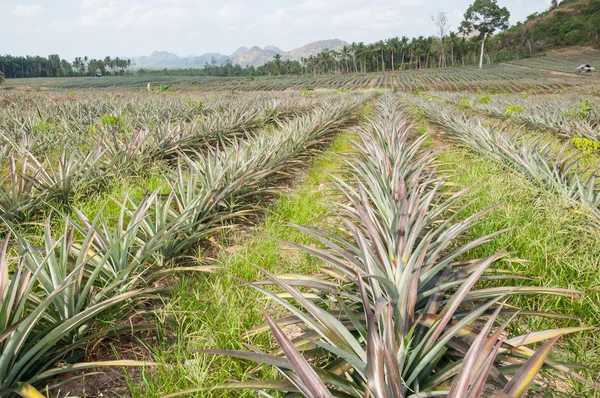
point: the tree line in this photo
(449, 48)
(229, 69)
(54, 66)
(394, 54)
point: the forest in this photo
(55, 66)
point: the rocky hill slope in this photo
(243, 56)
(572, 22)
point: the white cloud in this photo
(25, 10)
(373, 18)
(275, 17)
(90, 4)
(231, 12)
(138, 14)
(376, 15)
(316, 5)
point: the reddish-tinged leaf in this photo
(312, 385)
(518, 386)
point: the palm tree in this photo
(277, 59)
(363, 50)
(66, 68)
(353, 50)
(77, 64)
(344, 52)
(321, 62)
(373, 53)
(54, 61)
(452, 36)
(392, 46)
(462, 47)
(329, 60)
(335, 59)
(412, 52)
(404, 42)
(288, 64)
(311, 63)
(116, 63)
(380, 47)
(107, 62)
(428, 44)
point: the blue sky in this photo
(135, 27)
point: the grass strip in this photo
(552, 235)
(213, 311)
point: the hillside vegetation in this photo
(572, 22)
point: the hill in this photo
(572, 22)
(315, 48)
(243, 56)
(254, 56)
(240, 51)
(159, 58)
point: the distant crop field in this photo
(493, 79)
(565, 61)
(200, 83)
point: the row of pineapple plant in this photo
(496, 78)
(557, 172)
(567, 117)
(55, 296)
(35, 179)
(43, 123)
(397, 312)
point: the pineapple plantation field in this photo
(495, 78)
(562, 60)
(428, 233)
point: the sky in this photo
(97, 28)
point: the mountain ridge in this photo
(244, 56)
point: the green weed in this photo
(512, 109)
(586, 145)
